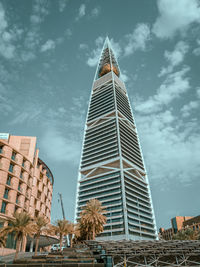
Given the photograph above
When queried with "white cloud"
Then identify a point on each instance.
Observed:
(62, 4)
(175, 57)
(175, 16)
(81, 12)
(186, 109)
(171, 147)
(68, 33)
(40, 10)
(32, 38)
(95, 12)
(49, 45)
(95, 53)
(64, 145)
(198, 92)
(173, 87)
(5, 103)
(99, 41)
(29, 114)
(83, 46)
(192, 105)
(94, 57)
(138, 39)
(60, 148)
(116, 47)
(7, 37)
(124, 76)
(196, 51)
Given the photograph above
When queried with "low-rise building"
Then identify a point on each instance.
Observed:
(180, 223)
(26, 182)
(193, 223)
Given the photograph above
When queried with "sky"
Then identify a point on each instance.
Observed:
(48, 55)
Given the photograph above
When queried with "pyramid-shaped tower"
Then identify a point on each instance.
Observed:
(112, 167)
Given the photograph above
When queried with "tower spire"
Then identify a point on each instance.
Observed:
(107, 61)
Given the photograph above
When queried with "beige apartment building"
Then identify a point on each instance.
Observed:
(26, 182)
(179, 223)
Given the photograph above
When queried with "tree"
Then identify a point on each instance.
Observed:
(20, 225)
(187, 234)
(2, 241)
(73, 229)
(40, 225)
(61, 228)
(2, 237)
(92, 219)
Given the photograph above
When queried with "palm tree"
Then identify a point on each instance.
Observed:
(73, 229)
(40, 225)
(2, 237)
(20, 225)
(61, 228)
(92, 218)
(2, 241)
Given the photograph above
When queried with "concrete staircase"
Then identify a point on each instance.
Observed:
(79, 256)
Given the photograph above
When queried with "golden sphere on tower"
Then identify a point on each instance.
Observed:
(107, 68)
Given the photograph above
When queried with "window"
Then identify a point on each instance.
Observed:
(19, 187)
(21, 175)
(23, 163)
(48, 174)
(17, 199)
(9, 180)
(13, 156)
(6, 193)
(3, 207)
(1, 149)
(11, 168)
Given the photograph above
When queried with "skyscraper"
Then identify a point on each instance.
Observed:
(112, 168)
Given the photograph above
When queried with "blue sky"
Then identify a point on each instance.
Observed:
(48, 54)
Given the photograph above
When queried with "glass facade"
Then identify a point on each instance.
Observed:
(112, 168)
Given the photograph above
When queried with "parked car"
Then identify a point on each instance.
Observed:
(56, 247)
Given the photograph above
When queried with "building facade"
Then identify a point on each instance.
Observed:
(193, 223)
(179, 223)
(26, 182)
(112, 168)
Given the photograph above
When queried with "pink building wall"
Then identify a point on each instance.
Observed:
(24, 177)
